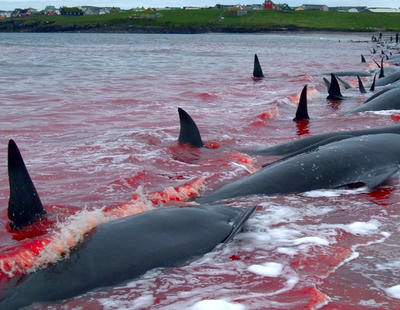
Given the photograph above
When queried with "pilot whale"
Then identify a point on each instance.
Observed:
(312, 142)
(119, 250)
(388, 99)
(368, 159)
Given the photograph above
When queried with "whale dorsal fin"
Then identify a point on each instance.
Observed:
(257, 71)
(334, 89)
(373, 84)
(189, 133)
(381, 72)
(302, 113)
(377, 63)
(24, 205)
(362, 58)
(360, 85)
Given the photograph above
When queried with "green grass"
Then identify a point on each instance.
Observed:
(254, 20)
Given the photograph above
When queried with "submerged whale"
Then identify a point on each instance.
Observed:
(368, 159)
(312, 142)
(122, 249)
(388, 99)
(388, 79)
(350, 73)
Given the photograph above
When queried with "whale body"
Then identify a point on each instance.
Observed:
(124, 249)
(387, 100)
(367, 159)
(312, 142)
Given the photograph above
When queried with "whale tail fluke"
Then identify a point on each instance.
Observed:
(189, 133)
(360, 85)
(334, 89)
(257, 71)
(302, 113)
(24, 205)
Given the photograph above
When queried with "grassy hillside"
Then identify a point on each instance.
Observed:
(208, 20)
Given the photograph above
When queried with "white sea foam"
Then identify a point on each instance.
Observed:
(68, 235)
(393, 291)
(269, 269)
(335, 192)
(315, 240)
(363, 228)
(213, 304)
(288, 251)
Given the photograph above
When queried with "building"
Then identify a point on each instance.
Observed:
(350, 9)
(269, 5)
(5, 14)
(382, 10)
(23, 12)
(314, 7)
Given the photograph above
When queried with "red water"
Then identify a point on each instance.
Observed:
(95, 117)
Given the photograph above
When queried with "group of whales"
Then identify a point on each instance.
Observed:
(126, 248)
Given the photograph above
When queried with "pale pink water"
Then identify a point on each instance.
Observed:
(95, 117)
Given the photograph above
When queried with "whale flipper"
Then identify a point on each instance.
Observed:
(238, 224)
(189, 133)
(334, 89)
(362, 58)
(257, 71)
(302, 113)
(373, 84)
(24, 205)
(376, 177)
(360, 85)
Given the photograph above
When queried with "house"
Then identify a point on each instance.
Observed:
(94, 10)
(315, 7)
(256, 6)
(283, 7)
(51, 10)
(269, 5)
(382, 10)
(350, 9)
(23, 12)
(71, 11)
(5, 14)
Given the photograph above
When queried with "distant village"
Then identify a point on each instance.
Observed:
(241, 9)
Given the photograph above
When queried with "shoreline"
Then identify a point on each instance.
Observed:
(45, 28)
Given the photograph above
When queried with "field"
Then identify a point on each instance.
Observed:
(207, 20)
